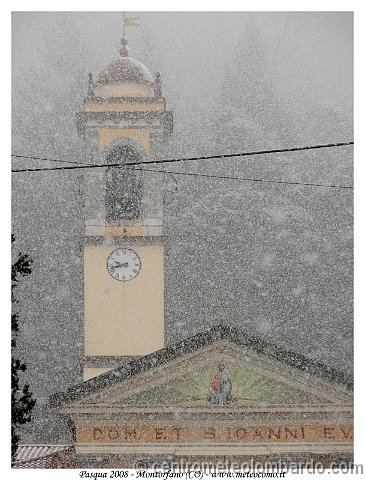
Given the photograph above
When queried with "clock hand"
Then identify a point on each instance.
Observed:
(118, 264)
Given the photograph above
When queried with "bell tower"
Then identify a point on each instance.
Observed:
(123, 119)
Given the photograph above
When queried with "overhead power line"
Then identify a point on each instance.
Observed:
(243, 179)
(223, 177)
(46, 159)
(174, 160)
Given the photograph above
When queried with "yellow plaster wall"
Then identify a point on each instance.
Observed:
(123, 318)
(124, 107)
(139, 135)
(124, 90)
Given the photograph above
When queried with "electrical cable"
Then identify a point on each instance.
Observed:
(243, 179)
(173, 160)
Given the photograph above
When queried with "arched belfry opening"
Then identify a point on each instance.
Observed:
(124, 186)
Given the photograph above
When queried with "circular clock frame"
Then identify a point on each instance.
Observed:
(127, 276)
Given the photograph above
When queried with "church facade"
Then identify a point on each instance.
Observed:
(218, 396)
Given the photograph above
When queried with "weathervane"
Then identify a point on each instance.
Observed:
(129, 22)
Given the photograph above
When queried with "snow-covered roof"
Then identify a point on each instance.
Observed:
(218, 332)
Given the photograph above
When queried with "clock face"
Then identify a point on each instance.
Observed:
(123, 264)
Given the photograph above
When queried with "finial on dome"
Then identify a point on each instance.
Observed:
(124, 50)
(158, 90)
(90, 88)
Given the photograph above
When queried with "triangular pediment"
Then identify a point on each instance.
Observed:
(248, 387)
(196, 378)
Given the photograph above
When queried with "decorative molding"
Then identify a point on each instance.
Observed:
(209, 450)
(124, 100)
(124, 240)
(166, 119)
(273, 415)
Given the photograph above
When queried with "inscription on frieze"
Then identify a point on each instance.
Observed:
(232, 434)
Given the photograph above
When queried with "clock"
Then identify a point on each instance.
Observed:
(123, 264)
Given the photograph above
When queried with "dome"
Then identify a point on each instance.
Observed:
(125, 69)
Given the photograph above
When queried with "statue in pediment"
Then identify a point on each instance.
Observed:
(221, 387)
